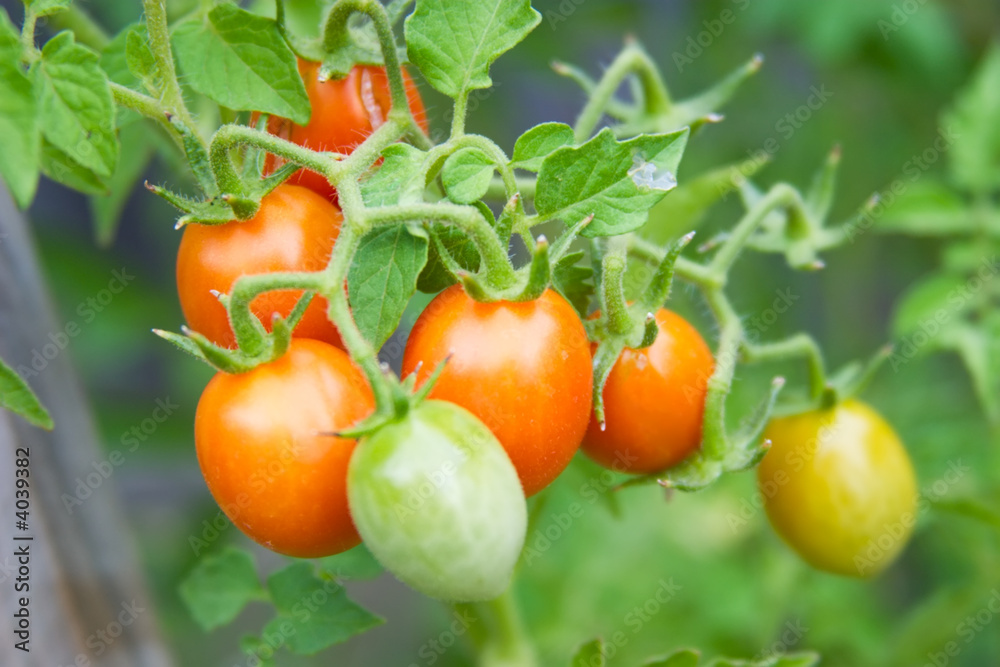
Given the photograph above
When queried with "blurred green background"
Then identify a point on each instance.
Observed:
(741, 592)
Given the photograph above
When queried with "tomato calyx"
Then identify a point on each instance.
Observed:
(842, 385)
(621, 324)
(258, 346)
(228, 195)
(405, 398)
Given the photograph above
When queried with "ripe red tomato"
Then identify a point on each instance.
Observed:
(839, 487)
(294, 230)
(262, 449)
(344, 112)
(654, 401)
(524, 369)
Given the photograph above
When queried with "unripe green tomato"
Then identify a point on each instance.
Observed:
(438, 502)
(839, 487)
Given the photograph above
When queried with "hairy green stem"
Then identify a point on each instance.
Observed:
(458, 117)
(778, 196)
(335, 35)
(335, 290)
(147, 106)
(632, 60)
(500, 274)
(799, 345)
(159, 44)
(228, 137)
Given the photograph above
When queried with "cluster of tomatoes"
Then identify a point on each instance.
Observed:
(509, 410)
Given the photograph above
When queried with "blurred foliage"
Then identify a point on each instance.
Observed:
(891, 67)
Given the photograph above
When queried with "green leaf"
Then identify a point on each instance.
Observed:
(75, 108)
(462, 249)
(926, 208)
(383, 277)
(20, 141)
(574, 281)
(617, 182)
(682, 658)
(929, 304)
(397, 180)
(454, 43)
(532, 147)
(685, 208)
(114, 61)
(466, 175)
(331, 617)
(140, 61)
(47, 7)
(136, 152)
(220, 586)
(357, 563)
(971, 127)
(260, 650)
(61, 168)
(16, 396)
(590, 654)
(241, 61)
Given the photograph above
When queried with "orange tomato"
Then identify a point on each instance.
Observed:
(344, 112)
(524, 369)
(264, 448)
(654, 401)
(294, 230)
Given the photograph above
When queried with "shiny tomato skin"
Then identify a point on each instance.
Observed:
(654, 401)
(439, 503)
(522, 368)
(266, 454)
(294, 230)
(344, 112)
(839, 488)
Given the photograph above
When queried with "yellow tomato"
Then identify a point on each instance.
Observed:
(839, 487)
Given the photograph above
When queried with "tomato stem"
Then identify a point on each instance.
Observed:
(506, 642)
(159, 44)
(336, 35)
(631, 60)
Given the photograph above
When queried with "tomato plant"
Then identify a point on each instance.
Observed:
(446, 452)
(523, 368)
(267, 448)
(839, 487)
